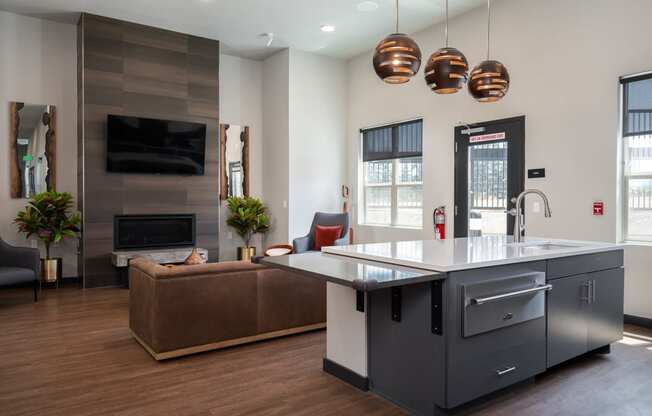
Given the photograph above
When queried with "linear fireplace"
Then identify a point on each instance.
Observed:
(131, 232)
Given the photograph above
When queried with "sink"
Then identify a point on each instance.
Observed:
(543, 245)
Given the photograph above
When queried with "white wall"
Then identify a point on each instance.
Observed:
(276, 119)
(564, 59)
(38, 65)
(241, 103)
(304, 141)
(318, 91)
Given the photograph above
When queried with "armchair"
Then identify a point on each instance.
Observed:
(19, 265)
(305, 243)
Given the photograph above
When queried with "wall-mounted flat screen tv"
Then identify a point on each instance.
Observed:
(145, 145)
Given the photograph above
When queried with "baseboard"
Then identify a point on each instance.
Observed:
(159, 356)
(66, 281)
(638, 321)
(343, 373)
(71, 280)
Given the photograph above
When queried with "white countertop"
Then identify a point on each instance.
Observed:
(469, 253)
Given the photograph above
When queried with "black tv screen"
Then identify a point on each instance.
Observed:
(145, 145)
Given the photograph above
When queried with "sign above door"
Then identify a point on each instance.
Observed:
(487, 137)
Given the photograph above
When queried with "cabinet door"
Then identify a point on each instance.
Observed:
(606, 316)
(567, 318)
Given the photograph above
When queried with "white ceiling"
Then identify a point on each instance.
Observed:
(239, 23)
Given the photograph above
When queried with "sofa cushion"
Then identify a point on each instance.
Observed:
(325, 235)
(13, 275)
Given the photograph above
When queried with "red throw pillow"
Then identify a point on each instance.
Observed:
(326, 235)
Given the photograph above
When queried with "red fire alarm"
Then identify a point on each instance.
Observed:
(598, 208)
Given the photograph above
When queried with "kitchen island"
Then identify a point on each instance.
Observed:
(434, 325)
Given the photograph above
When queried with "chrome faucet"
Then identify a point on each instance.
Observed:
(517, 211)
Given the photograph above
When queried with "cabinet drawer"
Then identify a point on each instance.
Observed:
(470, 379)
(586, 263)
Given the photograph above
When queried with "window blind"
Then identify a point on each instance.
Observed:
(393, 141)
(637, 105)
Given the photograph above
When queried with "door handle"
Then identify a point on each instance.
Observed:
(496, 298)
(592, 291)
(587, 298)
(505, 370)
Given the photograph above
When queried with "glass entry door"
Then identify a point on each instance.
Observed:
(489, 172)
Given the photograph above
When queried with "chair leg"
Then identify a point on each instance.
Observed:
(35, 291)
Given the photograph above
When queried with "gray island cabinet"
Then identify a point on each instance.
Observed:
(434, 325)
(585, 311)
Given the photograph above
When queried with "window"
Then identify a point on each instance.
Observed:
(393, 175)
(637, 155)
(487, 188)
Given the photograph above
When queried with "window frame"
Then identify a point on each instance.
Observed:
(393, 185)
(392, 192)
(625, 175)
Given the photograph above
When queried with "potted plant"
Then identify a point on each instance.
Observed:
(48, 217)
(248, 216)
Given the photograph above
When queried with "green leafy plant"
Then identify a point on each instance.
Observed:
(47, 217)
(248, 216)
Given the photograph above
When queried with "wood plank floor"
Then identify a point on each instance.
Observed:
(72, 354)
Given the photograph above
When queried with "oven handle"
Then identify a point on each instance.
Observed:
(496, 298)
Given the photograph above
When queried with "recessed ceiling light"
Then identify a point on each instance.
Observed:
(328, 28)
(367, 6)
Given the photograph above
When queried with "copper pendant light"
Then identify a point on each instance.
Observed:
(489, 79)
(447, 68)
(397, 58)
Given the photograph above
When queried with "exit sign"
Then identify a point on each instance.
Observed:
(487, 137)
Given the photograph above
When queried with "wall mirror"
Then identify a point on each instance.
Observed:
(32, 148)
(234, 160)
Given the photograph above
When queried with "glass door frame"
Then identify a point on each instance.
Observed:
(514, 128)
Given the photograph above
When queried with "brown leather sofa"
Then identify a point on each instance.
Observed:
(188, 309)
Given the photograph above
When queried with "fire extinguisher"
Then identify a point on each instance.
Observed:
(439, 218)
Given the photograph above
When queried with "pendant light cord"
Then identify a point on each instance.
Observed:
(446, 27)
(397, 16)
(488, 26)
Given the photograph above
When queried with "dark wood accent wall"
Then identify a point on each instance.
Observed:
(135, 70)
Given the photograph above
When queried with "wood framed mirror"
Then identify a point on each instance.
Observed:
(32, 149)
(234, 161)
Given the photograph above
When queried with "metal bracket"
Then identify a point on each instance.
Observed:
(437, 308)
(396, 304)
(359, 300)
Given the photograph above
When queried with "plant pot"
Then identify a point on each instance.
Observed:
(51, 269)
(246, 253)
